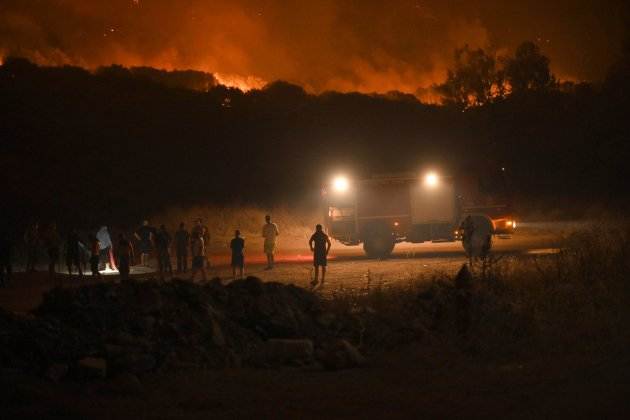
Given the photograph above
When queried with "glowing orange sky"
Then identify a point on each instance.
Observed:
(362, 45)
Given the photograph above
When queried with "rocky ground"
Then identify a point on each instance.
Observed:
(178, 349)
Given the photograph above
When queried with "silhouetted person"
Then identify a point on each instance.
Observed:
(467, 228)
(73, 253)
(107, 248)
(199, 228)
(95, 254)
(476, 237)
(51, 241)
(237, 245)
(31, 241)
(270, 232)
(182, 240)
(320, 246)
(162, 245)
(145, 236)
(6, 257)
(197, 246)
(124, 251)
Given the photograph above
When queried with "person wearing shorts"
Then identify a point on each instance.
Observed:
(237, 245)
(145, 236)
(198, 255)
(320, 246)
(270, 233)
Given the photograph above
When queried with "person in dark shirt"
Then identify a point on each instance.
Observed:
(320, 246)
(238, 257)
(145, 236)
(182, 240)
(73, 253)
(162, 245)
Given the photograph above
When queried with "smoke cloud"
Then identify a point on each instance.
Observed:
(362, 45)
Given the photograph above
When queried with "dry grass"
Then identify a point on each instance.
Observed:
(576, 300)
(294, 224)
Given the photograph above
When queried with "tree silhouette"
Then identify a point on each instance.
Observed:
(473, 79)
(528, 70)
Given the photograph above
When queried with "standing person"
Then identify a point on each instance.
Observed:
(162, 245)
(270, 232)
(182, 240)
(205, 234)
(125, 256)
(198, 255)
(51, 241)
(320, 246)
(31, 240)
(145, 236)
(73, 252)
(237, 245)
(6, 257)
(107, 251)
(95, 253)
(467, 229)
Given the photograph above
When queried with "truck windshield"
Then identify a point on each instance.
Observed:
(341, 213)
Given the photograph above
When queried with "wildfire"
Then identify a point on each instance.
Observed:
(244, 83)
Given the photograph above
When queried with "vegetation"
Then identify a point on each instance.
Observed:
(576, 301)
(115, 145)
(478, 78)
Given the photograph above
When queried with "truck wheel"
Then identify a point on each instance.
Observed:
(379, 243)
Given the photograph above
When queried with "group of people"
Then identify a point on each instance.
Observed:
(105, 254)
(98, 250)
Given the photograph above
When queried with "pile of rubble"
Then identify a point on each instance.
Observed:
(114, 329)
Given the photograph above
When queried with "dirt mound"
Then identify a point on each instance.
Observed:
(136, 327)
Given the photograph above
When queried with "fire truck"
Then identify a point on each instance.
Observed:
(384, 210)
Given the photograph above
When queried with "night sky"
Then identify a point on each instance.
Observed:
(362, 45)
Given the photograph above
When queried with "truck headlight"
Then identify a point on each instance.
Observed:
(431, 180)
(341, 184)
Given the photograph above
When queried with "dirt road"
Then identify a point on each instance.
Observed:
(350, 268)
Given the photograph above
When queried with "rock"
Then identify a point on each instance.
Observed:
(282, 351)
(136, 363)
(251, 285)
(57, 371)
(233, 360)
(326, 319)
(114, 349)
(341, 355)
(126, 384)
(217, 334)
(127, 340)
(463, 279)
(149, 299)
(146, 324)
(92, 367)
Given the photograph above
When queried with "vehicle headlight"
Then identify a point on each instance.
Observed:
(431, 179)
(341, 184)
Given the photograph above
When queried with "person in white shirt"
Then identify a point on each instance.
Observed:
(198, 249)
(270, 233)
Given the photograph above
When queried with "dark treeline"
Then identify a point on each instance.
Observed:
(113, 145)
